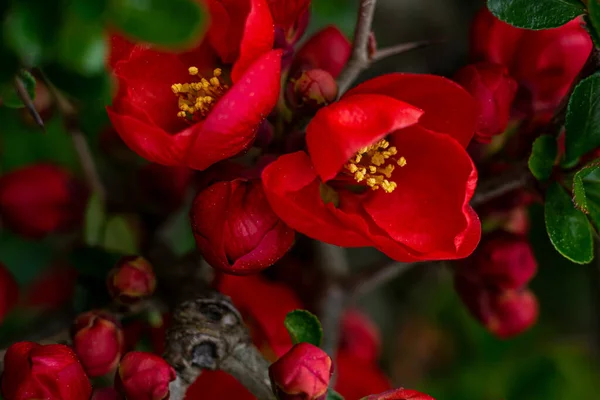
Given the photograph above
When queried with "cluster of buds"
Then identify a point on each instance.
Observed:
(493, 284)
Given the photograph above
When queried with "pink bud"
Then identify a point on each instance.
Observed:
(313, 89)
(98, 341)
(144, 376)
(328, 50)
(302, 373)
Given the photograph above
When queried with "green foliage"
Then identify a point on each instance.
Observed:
(543, 155)
(303, 326)
(568, 228)
(586, 191)
(333, 395)
(120, 236)
(538, 14)
(163, 22)
(95, 218)
(8, 93)
(583, 119)
(593, 20)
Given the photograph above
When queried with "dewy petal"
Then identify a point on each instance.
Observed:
(232, 124)
(337, 131)
(292, 188)
(257, 37)
(429, 211)
(447, 107)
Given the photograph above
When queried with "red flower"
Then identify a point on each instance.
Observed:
(544, 62)
(52, 372)
(505, 313)
(39, 199)
(206, 120)
(301, 373)
(404, 135)
(494, 92)
(9, 291)
(253, 297)
(400, 394)
(328, 50)
(357, 379)
(144, 376)
(131, 280)
(98, 341)
(235, 228)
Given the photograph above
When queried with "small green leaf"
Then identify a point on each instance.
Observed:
(163, 22)
(304, 326)
(583, 119)
(9, 95)
(586, 191)
(95, 217)
(568, 228)
(543, 155)
(119, 236)
(536, 14)
(82, 46)
(333, 395)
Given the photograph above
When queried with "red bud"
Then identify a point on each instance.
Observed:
(313, 89)
(39, 199)
(98, 341)
(131, 280)
(144, 376)
(51, 372)
(235, 228)
(494, 91)
(302, 373)
(9, 291)
(400, 394)
(328, 50)
(360, 336)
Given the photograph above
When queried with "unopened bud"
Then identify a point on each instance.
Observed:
(131, 280)
(313, 89)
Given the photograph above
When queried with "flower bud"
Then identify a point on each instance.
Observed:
(9, 291)
(106, 394)
(98, 341)
(39, 199)
(235, 228)
(360, 336)
(505, 313)
(399, 394)
(494, 91)
(313, 89)
(301, 373)
(131, 280)
(144, 376)
(328, 50)
(51, 372)
(503, 260)
(165, 186)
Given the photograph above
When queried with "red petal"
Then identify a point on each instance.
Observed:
(339, 130)
(232, 124)
(292, 188)
(257, 38)
(448, 108)
(429, 212)
(228, 21)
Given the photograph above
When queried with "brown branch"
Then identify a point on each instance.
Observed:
(28, 102)
(375, 277)
(386, 52)
(512, 180)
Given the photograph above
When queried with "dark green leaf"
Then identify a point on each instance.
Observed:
(163, 22)
(95, 217)
(586, 191)
(536, 14)
(304, 327)
(24, 258)
(177, 233)
(593, 20)
(9, 95)
(119, 236)
(82, 46)
(333, 395)
(568, 228)
(543, 154)
(583, 119)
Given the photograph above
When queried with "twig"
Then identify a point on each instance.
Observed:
(28, 102)
(502, 185)
(359, 60)
(374, 277)
(386, 52)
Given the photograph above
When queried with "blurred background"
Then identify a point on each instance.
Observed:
(430, 342)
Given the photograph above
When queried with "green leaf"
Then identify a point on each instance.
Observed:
(536, 14)
(568, 228)
(586, 191)
(9, 95)
(543, 155)
(95, 217)
(119, 236)
(82, 46)
(583, 119)
(177, 232)
(333, 395)
(593, 20)
(304, 326)
(163, 22)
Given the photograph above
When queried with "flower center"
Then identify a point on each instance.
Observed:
(196, 99)
(374, 165)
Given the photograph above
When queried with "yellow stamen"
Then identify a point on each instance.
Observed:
(196, 99)
(374, 165)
